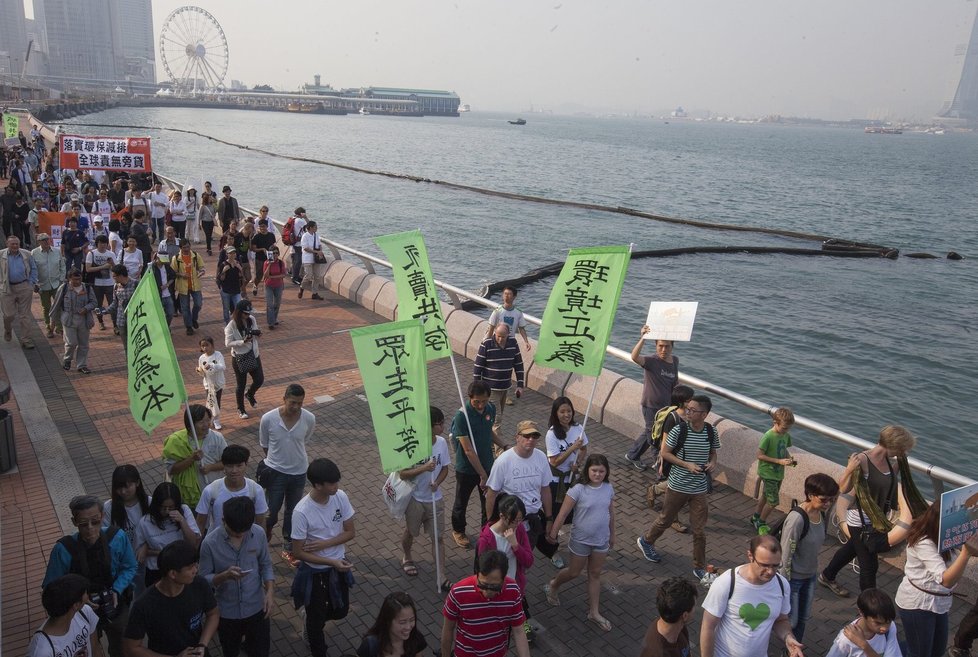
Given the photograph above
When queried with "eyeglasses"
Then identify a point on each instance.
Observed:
(530, 436)
(696, 410)
(767, 566)
(87, 523)
(495, 588)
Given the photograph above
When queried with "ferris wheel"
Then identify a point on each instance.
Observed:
(193, 49)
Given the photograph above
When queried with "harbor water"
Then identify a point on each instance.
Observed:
(853, 343)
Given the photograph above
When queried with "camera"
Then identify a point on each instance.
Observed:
(105, 606)
(252, 332)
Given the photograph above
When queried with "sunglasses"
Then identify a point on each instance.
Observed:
(495, 588)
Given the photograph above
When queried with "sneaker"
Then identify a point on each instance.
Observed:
(251, 400)
(218, 426)
(958, 652)
(317, 297)
(196, 324)
(190, 330)
(706, 577)
(529, 631)
(763, 529)
(461, 540)
(755, 520)
(84, 370)
(648, 550)
(242, 415)
(557, 561)
(636, 462)
(66, 365)
(831, 585)
(679, 527)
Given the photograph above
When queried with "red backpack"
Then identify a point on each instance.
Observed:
(288, 233)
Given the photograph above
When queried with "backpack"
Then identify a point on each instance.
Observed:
(288, 233)
(79, 560)
(733, 582)
(778, 525)
(660, 419)
(681, 442)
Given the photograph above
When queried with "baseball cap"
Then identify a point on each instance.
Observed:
(527, 427)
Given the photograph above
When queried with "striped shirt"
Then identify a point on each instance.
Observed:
(493, 364)
(483, 626)
(695, 450)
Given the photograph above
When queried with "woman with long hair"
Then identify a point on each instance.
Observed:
(924, 597)
(592, 536)
(395, 632)
(241, 335)
(506, 532)
(192, 202)
(128, 504)
(206, 215)
(566, 450)
(167, 520)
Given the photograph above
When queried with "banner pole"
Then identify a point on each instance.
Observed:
(461, 398)
(434, 539)
(589, 400)
(193, 429)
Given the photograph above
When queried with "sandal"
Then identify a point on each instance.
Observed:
(446, 586)
(551, 595)
(601, 622)
(409, 568)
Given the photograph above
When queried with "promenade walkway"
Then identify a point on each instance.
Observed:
(72, 429)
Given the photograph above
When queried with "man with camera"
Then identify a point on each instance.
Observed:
(105, 557)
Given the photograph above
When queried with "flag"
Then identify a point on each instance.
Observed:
(392, 363)
(581, 310)
(156, 388)
(416, 293)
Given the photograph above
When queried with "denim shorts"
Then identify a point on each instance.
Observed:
(580, 550)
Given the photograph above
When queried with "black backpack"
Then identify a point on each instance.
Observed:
(778, 525)
(79, 560)
(681, 442)
(733, 582)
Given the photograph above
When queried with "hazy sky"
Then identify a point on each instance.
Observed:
(830, 59)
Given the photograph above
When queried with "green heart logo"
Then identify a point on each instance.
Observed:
(754, 616)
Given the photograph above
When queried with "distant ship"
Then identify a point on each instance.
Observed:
(518, 122)
(464, 108)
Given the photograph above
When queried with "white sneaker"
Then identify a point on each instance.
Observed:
(217, 425)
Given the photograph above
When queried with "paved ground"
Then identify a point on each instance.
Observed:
(71, 430)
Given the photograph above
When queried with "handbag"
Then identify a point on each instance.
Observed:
(397, 494)
(319, 258)
(247, 361)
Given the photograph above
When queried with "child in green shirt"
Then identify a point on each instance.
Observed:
(772, 456)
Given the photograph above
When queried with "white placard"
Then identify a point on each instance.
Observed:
(671, 320)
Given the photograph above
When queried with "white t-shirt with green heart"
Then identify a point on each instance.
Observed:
(747, 617)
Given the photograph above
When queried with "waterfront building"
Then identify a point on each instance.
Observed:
(389, 100)
(964, 103)
(133, 37)
(13, 37)
(80, 41)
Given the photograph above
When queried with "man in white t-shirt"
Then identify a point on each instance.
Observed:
(524, 471)
(210, 508)
(746, 604)
(71, 622)
(426, 508)
(282, 434)
(298, 228)
(509, 315)
(322, 525)
(313, 260)
(158, 201)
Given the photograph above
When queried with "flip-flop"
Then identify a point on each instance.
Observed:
(409, 568)
(601, 622)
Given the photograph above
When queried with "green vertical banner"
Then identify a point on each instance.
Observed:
(156, 388)
(581, 310)
(11, 125)
(417, 296)
(392, 363)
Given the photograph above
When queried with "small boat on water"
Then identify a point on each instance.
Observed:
(882, 130)
(364, 111)
(464, 108)
(518, 122)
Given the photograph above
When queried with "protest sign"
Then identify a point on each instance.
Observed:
(156, 388)
(581, 310)
(11, 126)
(959, 517)
(52, 223)
(105, 153)
(394, 370)
(416, 293)
(671, 320)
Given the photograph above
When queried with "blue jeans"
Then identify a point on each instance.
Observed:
(802, 595)
(167, 308)
(925, 632)
(190, 318)
(273, 300)
(228, 302)
(287, 488)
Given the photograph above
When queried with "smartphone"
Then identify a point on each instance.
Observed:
(245, 572)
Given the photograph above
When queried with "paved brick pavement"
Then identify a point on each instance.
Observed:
(311, 347)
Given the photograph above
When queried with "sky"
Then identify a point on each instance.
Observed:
(834, 59)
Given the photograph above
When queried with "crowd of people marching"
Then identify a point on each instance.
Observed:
(162, 572)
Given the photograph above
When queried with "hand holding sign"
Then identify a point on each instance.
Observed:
(670, 320)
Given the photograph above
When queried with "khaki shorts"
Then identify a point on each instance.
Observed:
(419, 514)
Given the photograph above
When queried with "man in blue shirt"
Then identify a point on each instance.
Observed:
(18, 276)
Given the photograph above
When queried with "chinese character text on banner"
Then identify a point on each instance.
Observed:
(416, 292)
(395, 379)
(11, 125)
(156, 388)
(106, 153)
(581, 310)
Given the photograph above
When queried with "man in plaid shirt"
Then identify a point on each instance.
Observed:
(125, 286)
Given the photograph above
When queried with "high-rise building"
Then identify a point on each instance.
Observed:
(133, 34)
(964, 104)
(80, 41)
(13, 37)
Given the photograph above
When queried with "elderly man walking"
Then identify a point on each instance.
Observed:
(50, 275)
(498, 356)
(18, 276)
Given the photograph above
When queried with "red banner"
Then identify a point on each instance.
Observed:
(52, 223)
(105, 153)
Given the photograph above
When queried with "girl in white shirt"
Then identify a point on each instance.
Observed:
(211, 366)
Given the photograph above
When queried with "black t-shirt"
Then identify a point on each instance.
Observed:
(171, 624)
(262, 242)
(242, 245)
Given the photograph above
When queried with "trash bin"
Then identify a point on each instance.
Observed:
(8, 451)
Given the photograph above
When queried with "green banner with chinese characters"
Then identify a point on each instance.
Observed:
(392, 363)
(11, 125)
(156, 388)
(581, 310)
(416, 293)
